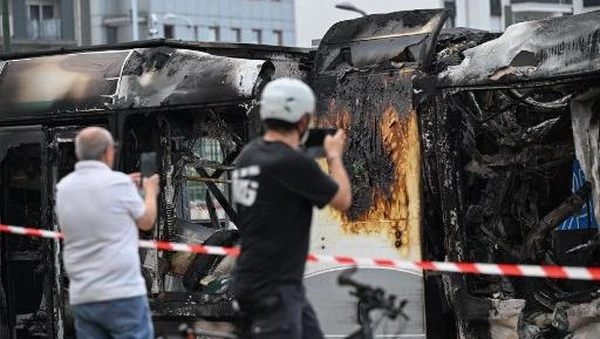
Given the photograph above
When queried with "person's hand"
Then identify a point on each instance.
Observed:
(151, 184)
(136, 177)
(334, 144)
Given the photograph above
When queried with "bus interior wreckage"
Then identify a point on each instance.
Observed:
(463, 145)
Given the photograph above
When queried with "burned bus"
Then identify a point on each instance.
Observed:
(463, 145)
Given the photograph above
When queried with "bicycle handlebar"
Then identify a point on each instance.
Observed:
(373, 298)
(345, 280)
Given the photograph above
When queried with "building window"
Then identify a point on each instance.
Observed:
(278, 35)
(257, 35)
(496, 7)
(169, 31)
(112, 35)
(42, 23)
(237, 34)
(214, 33)
(39, 12)
(508, 16)
(591, 3)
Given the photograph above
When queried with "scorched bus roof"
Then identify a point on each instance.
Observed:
(151, 74)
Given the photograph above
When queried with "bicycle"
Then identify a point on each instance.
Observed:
(369, 300)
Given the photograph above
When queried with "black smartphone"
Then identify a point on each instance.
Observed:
(313, 147)
(148, 164)
(316, 136)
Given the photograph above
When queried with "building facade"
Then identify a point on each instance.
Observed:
(479, 14)
(496, 15)
(269, 22)
(523, 10)
(40, 24)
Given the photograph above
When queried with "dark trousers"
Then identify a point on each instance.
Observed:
(284, 314)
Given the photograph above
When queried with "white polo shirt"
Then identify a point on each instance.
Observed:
(97, 209)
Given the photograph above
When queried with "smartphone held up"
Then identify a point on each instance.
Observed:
(314, 144)
(147, 165)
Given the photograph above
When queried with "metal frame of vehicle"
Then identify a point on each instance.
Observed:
(164, 96)
(460, 147)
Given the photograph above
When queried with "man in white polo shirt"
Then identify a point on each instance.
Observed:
(99, 211)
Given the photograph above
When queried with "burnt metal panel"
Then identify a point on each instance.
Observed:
(364, 88)
(529, 51)
(134, 78)
(235, 50)
(382, 153)
(169, 77)
(381, 40)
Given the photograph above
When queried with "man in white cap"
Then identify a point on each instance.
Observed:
(275, 187)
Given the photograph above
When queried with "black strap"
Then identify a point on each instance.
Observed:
(216, 192)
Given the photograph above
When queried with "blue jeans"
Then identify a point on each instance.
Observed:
(127, 318)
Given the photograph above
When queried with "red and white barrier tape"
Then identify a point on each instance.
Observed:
(31, 232)
(555, 272)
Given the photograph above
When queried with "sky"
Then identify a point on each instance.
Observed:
(314, 17)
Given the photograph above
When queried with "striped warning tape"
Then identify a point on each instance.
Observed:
(202, 249)
(555, 272)
(31, 232)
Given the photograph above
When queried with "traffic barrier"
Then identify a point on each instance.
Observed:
(534, 271)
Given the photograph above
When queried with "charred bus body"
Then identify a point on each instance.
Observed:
(193, 108)
(462, 146)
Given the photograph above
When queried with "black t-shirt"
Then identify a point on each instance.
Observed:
(275, 188)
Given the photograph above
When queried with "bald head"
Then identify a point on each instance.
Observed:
(92, 142)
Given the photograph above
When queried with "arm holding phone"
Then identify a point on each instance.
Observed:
(150, 186)
(151, 189)
(334, 146)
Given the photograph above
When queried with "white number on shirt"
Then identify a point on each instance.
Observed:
(245, 190)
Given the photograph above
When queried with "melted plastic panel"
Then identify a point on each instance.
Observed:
(378, 40)
(75, 82)
(169, 77)
(532, 50)
(135, 78)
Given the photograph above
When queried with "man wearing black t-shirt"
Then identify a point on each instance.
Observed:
(275, 187)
